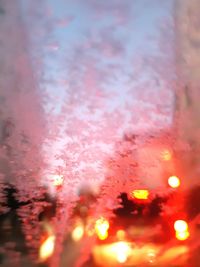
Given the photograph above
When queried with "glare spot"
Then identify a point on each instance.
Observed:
(58, 180)
(47, 248)
(140, 194)
(101, 228)
(151, 256)
(174, 181)
(122, 251)
(180, 226)
(121, 257)
(182, 235)
(78, 233)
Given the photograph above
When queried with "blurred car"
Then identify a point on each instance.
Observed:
(143, 231)
(141, 235)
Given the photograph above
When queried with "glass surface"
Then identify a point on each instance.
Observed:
(99, 133)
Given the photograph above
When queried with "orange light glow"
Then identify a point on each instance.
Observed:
(47, 248)
(78, 233)
(101, 228)
(89, 227)
(174, 181)
(122, 251)
(140, 194)
(58, 180)
(121, 234)
(182, 235)
(166, 155)
(180, 226)
(103, 235)
(121, 257)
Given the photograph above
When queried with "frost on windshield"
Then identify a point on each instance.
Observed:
(97, 100)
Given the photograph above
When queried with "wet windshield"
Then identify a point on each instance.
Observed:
(99, 133)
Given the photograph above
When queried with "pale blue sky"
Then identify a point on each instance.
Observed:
(76, 22)
(105, 69)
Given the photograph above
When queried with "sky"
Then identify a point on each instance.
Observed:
(116, 34)
(105, 69)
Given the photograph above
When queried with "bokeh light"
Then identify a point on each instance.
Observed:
(166, 155)
(182, 235)
(174, 181)
(120, 234)
(58, 180)
(101, 228)
(122, 251)
(47, 248)
(78, 233)
(140, 194)
(180, 226)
